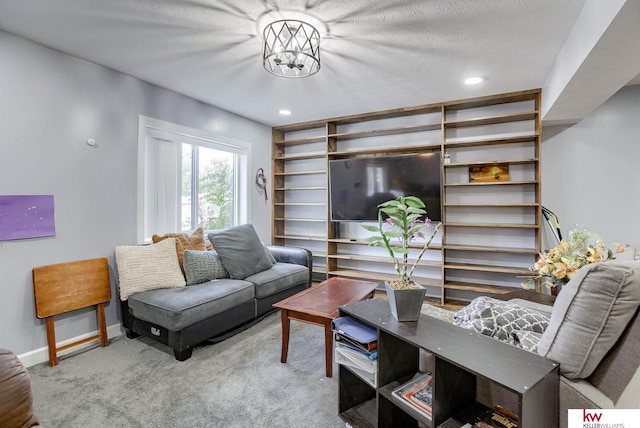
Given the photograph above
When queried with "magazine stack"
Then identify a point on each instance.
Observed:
(498, 417)
(356, 347)
(417, 393)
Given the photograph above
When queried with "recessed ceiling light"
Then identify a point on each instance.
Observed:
(473, 80)
(284, 112)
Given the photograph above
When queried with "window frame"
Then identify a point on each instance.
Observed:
(149, 127)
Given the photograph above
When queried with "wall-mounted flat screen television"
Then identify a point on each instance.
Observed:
(358, 185)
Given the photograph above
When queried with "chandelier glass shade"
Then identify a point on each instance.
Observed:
(291, 48)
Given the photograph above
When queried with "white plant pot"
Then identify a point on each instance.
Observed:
(406, 303)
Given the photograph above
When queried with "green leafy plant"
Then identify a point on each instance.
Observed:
(402, 225)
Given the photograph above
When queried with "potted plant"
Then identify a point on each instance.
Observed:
(557, 266)
(402, 225)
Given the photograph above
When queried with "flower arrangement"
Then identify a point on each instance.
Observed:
(559, 265)
(402, 225)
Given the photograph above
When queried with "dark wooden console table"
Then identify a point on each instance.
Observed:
(461, 358)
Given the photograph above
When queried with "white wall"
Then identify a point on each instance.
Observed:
(50, 104)
(591, 170)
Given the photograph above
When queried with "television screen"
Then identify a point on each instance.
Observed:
(358, 185)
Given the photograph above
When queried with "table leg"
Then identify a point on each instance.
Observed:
(102, 326)
(284, 314)
(328, 347)
(51, 341)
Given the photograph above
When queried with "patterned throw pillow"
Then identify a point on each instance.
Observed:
(499, 319)
(184, 241)
(203, 266)
(148, 267)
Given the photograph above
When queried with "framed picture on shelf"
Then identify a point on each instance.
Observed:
(489, 173)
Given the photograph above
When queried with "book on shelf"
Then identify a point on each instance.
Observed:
(418, 393)
(349, 357)
(356, 330)
(369, 348)
(497, 417)
(370, 378)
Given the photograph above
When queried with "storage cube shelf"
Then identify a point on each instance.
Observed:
(461, 360)
(479, 217)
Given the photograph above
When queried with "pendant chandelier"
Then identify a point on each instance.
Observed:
(291, 49)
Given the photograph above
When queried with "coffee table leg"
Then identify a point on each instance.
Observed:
(328, 347)
(284, 314)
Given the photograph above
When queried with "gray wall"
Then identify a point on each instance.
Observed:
(591, 170)
(50, 104)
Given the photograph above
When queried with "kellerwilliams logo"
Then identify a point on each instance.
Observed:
(604, 418)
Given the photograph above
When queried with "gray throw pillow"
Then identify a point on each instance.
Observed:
(589, 315)
(241, 251)
(271, 257)
(203, 266)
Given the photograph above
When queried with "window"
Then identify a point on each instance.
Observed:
(188, 179)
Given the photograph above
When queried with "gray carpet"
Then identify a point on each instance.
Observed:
(239, 382)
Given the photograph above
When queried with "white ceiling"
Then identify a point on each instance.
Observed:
(375, 54)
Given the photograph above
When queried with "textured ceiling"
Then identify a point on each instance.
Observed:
(376, 54)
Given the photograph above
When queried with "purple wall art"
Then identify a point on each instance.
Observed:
(26, 216)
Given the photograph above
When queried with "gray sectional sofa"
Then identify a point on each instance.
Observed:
(222, 291)
(592, 331)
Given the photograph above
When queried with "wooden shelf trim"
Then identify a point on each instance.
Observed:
(310, 155)
(499, 225)
(359, 242)
(479, 288)
(385, 151)
(296, 141)
(426, 282)
(492, 162)
(357, 257)
(487, 268)
(387, 131)
(493, 183)
(491, 100)
(502, 205)
(314, 220)
(301, 238)
(284, 189)
(301, 204)
(491, 120)
(286, 174)
(491, 249)
(493, 141)
(319, 270)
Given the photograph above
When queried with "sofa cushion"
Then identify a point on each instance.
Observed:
(203, 266)
(177, 308)
(621, 363)
(241, 251)
(184, 241)
(280, 277)
(589, 315)
(148, 267)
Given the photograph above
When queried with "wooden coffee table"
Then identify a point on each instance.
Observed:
(319, 305)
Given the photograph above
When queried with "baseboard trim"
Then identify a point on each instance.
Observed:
(41, 355)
